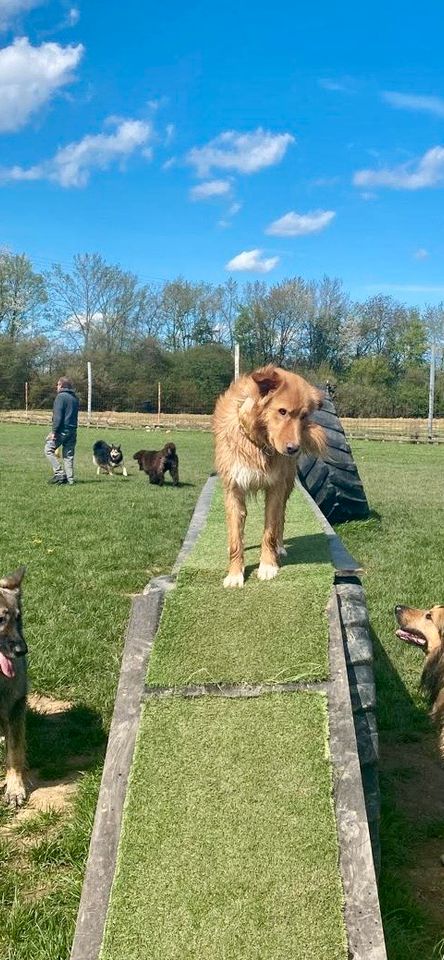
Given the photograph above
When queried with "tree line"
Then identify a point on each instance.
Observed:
(374, 353)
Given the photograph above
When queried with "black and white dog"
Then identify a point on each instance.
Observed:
(108, 457)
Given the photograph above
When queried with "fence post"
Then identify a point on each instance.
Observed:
(159, 403)
(26, 399)
(236, 361)
(89, 392)
(431, 392)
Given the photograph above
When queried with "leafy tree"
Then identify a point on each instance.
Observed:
(22, 296)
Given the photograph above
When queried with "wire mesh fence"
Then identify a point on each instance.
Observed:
(172, 415)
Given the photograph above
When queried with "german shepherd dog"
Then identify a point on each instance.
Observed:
(261, 424)
(425, 629)
(156, 463)
(13, 686)
(108, 457)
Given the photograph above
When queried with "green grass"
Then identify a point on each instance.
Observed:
(275, 631)
(229, 836)
(400, 547)
(87, 549)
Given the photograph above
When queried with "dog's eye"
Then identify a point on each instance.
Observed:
(282, 412)
(428, 616)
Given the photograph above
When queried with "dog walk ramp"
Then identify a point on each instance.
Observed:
(236, 839)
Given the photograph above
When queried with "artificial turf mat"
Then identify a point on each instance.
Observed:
(228, 849)
(273, 631)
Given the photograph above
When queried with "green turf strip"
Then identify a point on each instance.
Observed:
(229, 847)
(271, 631)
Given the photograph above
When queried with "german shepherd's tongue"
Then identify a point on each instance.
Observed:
(6, 666)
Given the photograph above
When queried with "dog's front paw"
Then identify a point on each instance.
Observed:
(234, 580)
(267, 571)
(15, 790)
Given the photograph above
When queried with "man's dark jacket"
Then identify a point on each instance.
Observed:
(65, 412)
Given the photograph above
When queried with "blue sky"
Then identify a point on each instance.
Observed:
(211, 140)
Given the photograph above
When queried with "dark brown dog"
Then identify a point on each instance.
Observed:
(425, 629)
(157, 462)
(13, 685)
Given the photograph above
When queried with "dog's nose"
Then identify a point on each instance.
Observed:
(292, 448)
(398, 608)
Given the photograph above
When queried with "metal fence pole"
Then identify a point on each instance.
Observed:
(236, 361)
(431, 391)
(89, 391)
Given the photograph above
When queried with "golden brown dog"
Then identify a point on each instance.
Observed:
(261, 424)
(425, 629)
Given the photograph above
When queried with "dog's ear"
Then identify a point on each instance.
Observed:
(267, 379)
(12, 581)
(438, 619)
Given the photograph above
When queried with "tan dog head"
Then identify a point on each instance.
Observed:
(424, 628)
(278, 412)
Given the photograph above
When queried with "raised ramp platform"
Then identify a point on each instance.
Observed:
(244, 831)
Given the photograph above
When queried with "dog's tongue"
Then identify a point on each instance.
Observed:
(6, 666)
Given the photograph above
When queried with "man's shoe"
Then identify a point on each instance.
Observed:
(58, 479)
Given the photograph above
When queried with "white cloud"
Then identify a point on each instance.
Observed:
(234, 208)
(413, 101)
(243, 152)
(10, 10)
(210, 188)
(73, 16)
(298, 224)
(252, 260)
(344, 85)
(421, 254)
(429, 172)
(30, 76)
(72, 165)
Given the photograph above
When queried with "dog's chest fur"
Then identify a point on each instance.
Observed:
(253, 478)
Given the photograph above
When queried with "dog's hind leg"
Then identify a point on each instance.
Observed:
(124, 471)
(15, 792)
(174, 471)
(236, 513)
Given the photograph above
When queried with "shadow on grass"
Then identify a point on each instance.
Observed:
(62, 741)
(309, 548)
(411, 929)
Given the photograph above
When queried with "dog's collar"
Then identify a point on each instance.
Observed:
(263, 447)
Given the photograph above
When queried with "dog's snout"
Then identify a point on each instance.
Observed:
(292, 448)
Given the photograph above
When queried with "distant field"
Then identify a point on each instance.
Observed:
(402, 428)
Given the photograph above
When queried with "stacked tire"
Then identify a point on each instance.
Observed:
(333, 480)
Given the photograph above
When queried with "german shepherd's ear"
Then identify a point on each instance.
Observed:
(12, 581)
(267, 379)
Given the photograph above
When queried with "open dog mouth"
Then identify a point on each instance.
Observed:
(411, 636)
(7, 666)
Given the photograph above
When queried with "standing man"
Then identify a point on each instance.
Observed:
(64, 432)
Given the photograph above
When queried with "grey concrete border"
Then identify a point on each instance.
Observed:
(358, 650)
(362, 913)
(144, 619)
